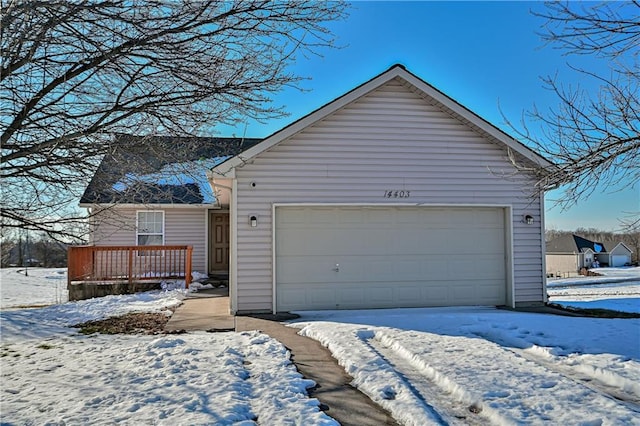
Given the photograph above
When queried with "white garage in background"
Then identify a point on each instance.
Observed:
(619, 260)
(350, 257)
(620, 255)
(391, 195)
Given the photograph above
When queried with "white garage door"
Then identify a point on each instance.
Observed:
(619, 260)
(376, 257)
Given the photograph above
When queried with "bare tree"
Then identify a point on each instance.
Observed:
(8, 245)
(594, 138)
(74, 73)
(631, 235)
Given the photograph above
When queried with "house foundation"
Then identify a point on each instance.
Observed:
(88, 290)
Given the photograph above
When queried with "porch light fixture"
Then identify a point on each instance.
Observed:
(528, 219)
(253, 221)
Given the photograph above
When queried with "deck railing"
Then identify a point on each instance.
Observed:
(129, 263)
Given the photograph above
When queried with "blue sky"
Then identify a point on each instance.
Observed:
(486, 55)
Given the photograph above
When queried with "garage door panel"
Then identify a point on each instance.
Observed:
(409, 217)
(314, 241)
(351, 216)
(489, 218)
(488, 291)
(477, 267)
(320, 296)
(490, 267)
(487, 244)
(380, 295)
(290, 240)
(409, 269)
(351, 296)
(463, 269)
(376, 216)
(389, 256)
(341, 296)
(318, 217)
(435, 294)
(437, 219)
(383, 270)
(297, 269)
(408, 294)
(419, 241)
(293, 296)
(435, 268)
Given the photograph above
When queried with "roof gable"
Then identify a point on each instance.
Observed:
(583, 244)
(620, 245)
(415, 84)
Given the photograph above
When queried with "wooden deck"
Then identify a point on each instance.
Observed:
(101, 270)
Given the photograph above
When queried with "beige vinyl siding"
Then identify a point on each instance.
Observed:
(563, 264)
(182, 226)
(389, 139)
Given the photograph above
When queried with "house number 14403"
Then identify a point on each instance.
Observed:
(397, 194)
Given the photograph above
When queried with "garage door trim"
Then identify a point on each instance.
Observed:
(508, 229)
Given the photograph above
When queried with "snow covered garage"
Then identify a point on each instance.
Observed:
(393, 195)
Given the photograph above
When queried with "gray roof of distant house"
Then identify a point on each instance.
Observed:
(133, 156)
(573, 244)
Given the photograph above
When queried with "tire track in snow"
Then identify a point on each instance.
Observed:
(506, 385)
(604, 382)
(444, 404)
(588, 380)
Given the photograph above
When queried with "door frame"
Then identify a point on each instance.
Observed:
(210, 242)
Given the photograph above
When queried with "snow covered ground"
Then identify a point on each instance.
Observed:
(199, 378)
(426, 366)
(40, 286)
(438, 366)
(617, 289)
(50, 374)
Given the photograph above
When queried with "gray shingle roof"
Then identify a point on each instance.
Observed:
(573, 244)
(159, 169)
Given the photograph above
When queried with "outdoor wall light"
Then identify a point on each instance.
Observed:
(528, 219)
(253, 221)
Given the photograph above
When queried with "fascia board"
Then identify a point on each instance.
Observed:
(146, 206)
(215, 173)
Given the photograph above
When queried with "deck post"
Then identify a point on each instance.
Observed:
(130, 271)
(187, 267)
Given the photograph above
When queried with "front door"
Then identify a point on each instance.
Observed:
(219, 243)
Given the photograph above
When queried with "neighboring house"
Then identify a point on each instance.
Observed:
(392, 195)
(571, 253)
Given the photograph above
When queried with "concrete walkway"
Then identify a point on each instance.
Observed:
(202, 313)
(338, 398)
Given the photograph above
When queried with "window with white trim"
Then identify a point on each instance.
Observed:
(150, 228)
